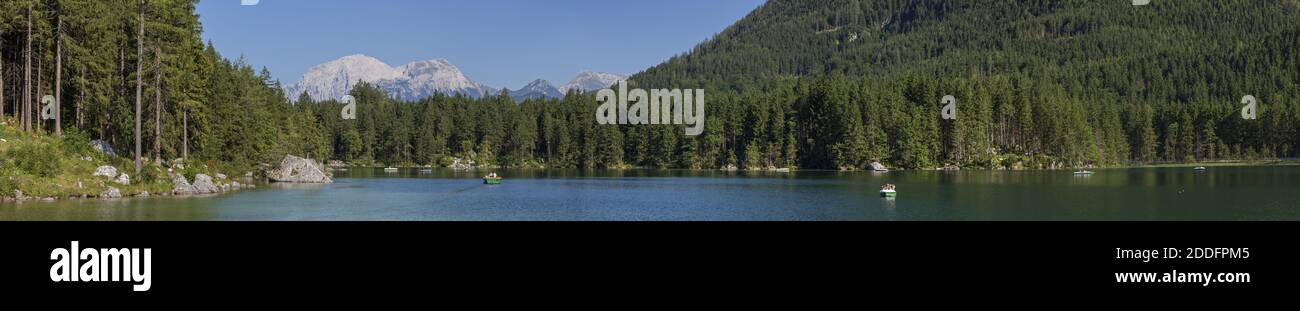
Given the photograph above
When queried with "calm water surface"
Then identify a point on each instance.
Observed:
(1222, 193)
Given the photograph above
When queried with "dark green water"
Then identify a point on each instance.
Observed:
(1222, 193)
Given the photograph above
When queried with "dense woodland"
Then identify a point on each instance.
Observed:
(806, 84)
(111, 64)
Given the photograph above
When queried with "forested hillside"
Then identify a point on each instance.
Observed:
(111, 64)
(1077, 82)
(839, 84)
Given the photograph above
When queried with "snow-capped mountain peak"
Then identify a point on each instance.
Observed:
(334, 79)
(588, 81)
(424, 78)
(416, 80)
(412, 81)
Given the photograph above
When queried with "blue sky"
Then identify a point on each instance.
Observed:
(496, 42)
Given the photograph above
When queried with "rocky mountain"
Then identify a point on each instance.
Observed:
(585, 81)
(416, 80)
(588, 81)
(537, 89)
(424, 78)
(334, 79)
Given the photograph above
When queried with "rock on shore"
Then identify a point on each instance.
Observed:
(298, 170)
(180, 186)
(203, 184)
(111, 193)
(876, 166)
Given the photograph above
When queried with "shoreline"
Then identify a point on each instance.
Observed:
(228, 188)
(221, 189)
(1223, 163)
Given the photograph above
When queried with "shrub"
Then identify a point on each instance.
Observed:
(445, 161)
(76, 142)
(37, 159)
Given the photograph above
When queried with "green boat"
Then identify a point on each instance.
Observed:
(888, 193)
(492, 181)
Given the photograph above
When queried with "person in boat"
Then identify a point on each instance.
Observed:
(493, 175)
(887, 187)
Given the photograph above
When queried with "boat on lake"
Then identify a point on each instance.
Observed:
(888, 191)
(492, 179)
(390, 169)
(1200, 169)
(1084, 173)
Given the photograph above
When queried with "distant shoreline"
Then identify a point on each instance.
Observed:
(1223, 163)
(1276, 162)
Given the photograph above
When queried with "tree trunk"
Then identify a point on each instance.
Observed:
(38, 123)
(157, 105)
(139, 84)
(2, 74)
(27, 77)
(81, 101)
(185, 137)
(58, 80)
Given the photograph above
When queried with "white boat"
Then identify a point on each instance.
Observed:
(1083, 173)
(1200, 168)
(390, 169)
(888, 191)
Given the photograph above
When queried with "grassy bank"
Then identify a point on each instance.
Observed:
(44, 166)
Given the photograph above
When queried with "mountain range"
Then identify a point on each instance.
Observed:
(415, 80)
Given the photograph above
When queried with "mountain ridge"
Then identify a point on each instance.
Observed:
(419, 79)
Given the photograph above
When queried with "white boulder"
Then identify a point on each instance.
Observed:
(203, 184)
(180, 186)
(298, 170)
(111, 193)
(106, 171)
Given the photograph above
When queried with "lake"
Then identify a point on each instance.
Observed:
(1221, 193)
